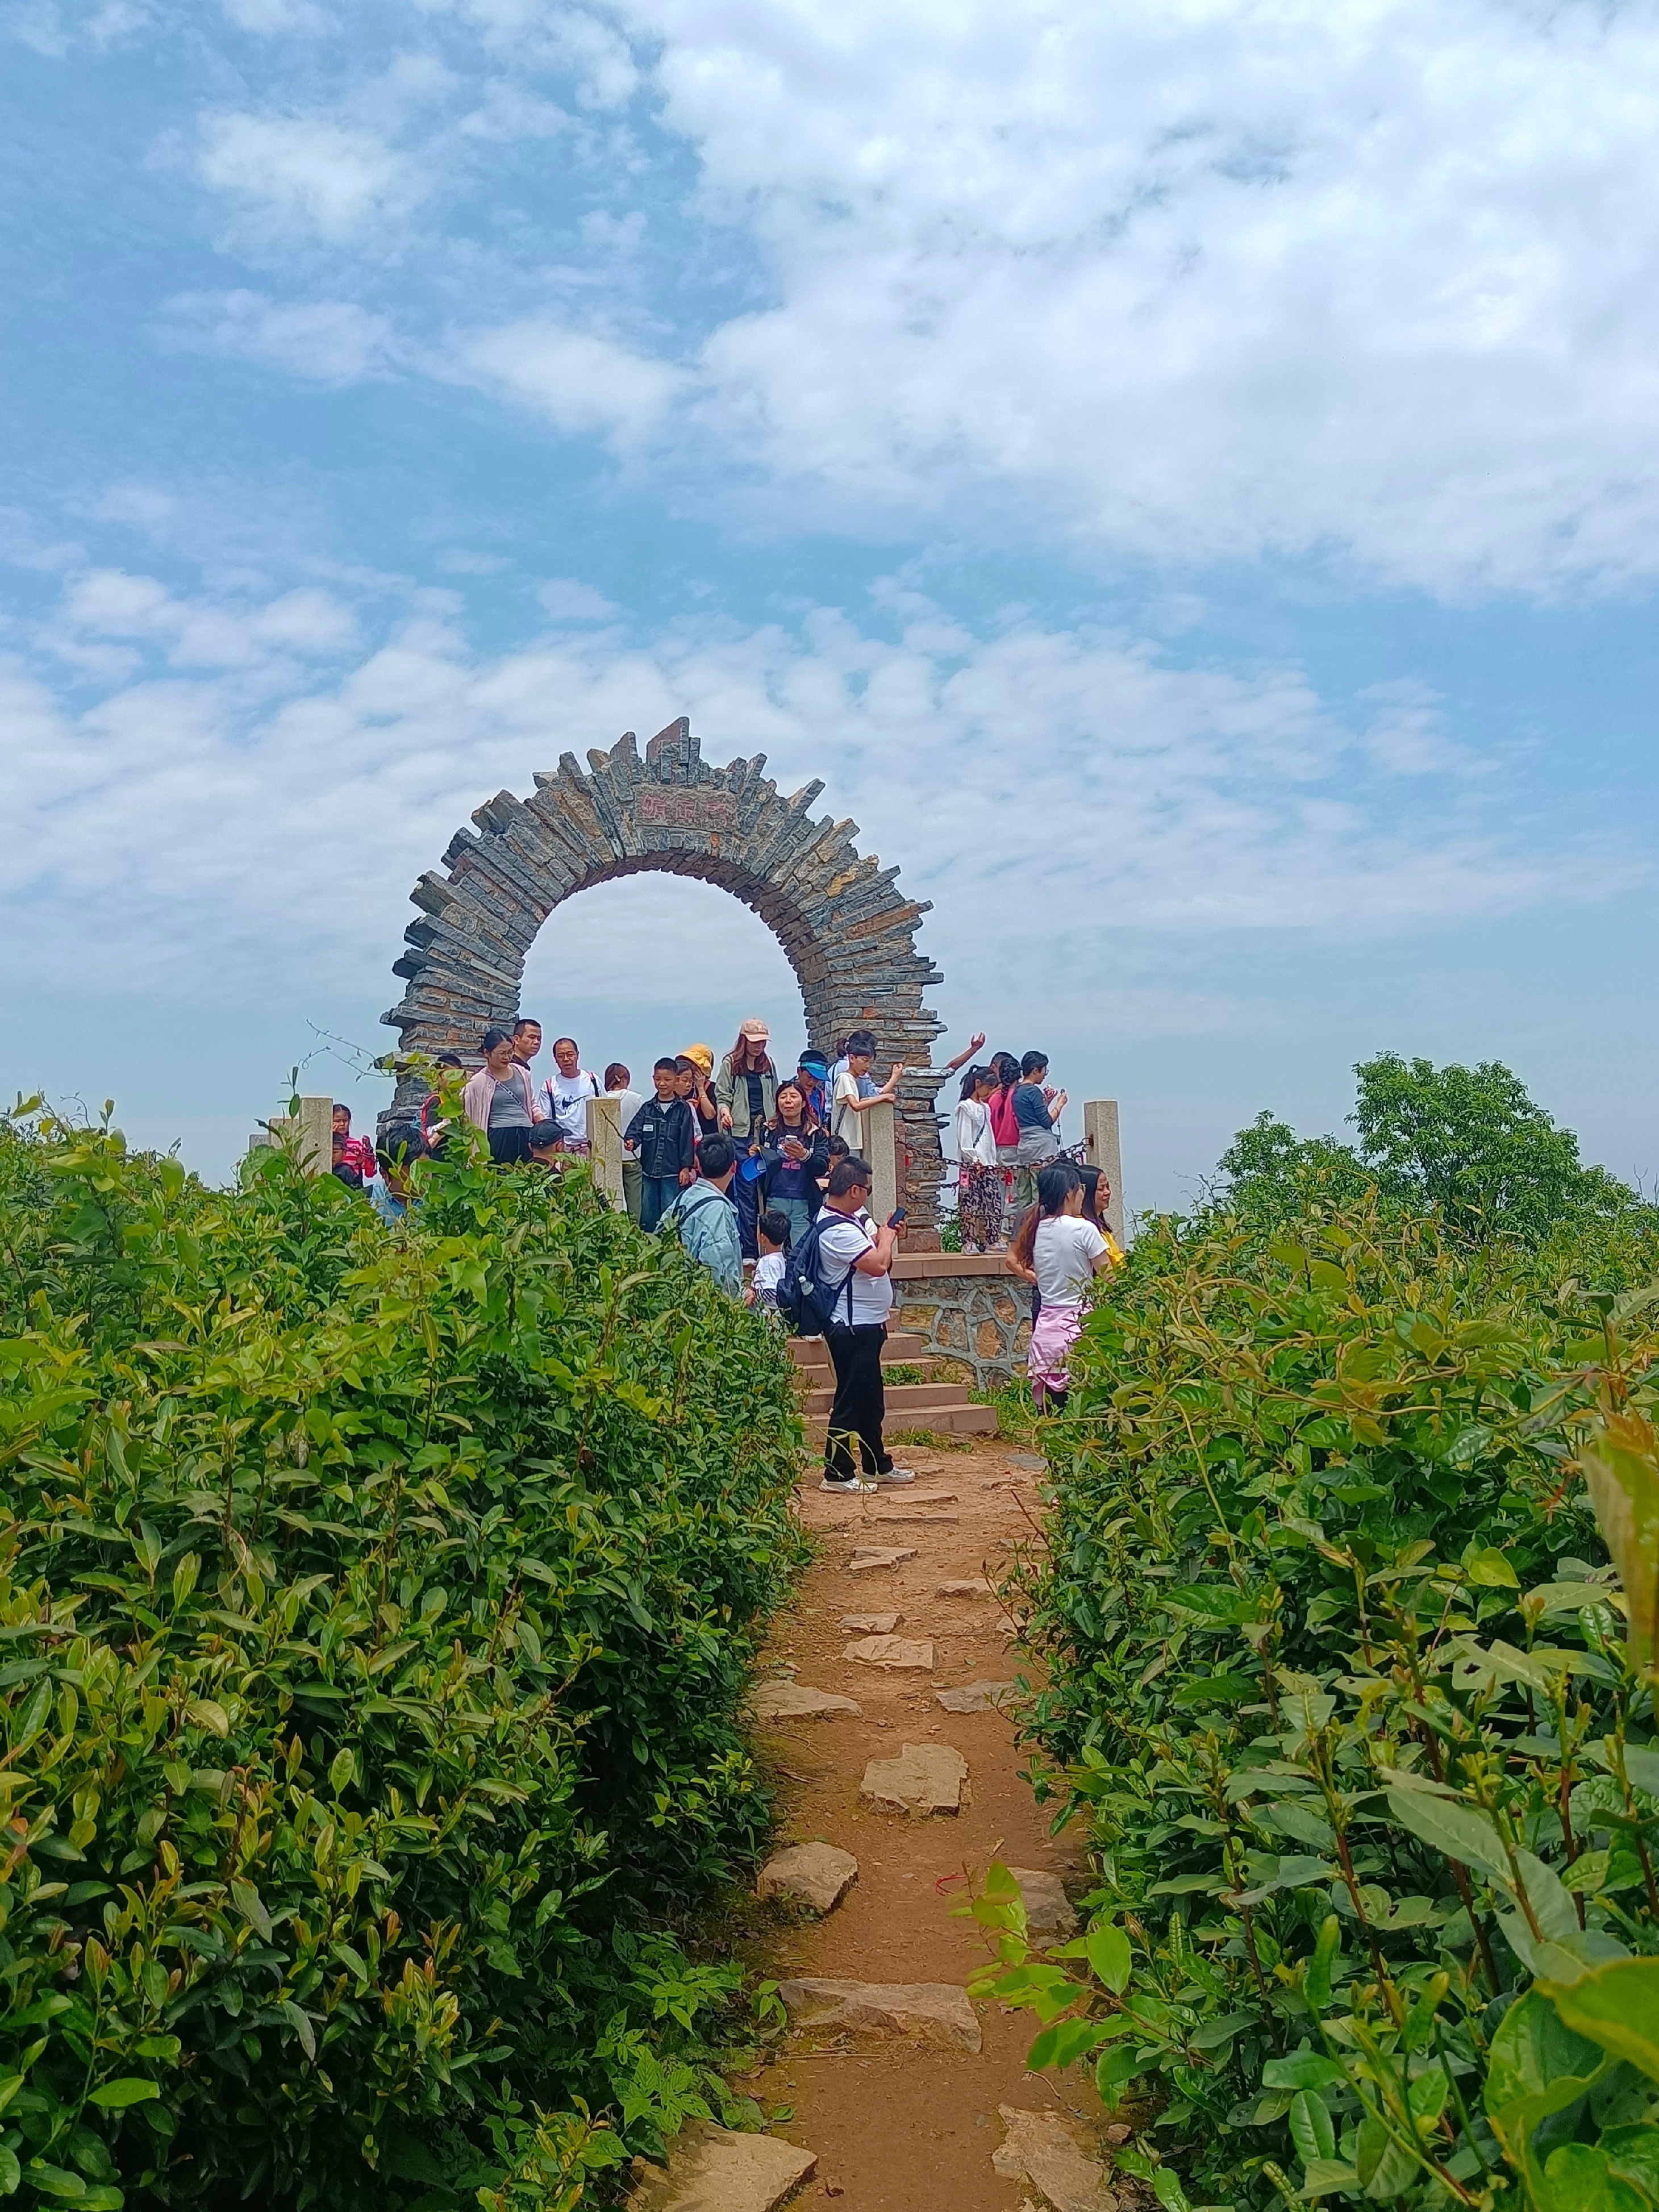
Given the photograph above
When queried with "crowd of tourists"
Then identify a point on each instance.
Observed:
(749, 1163)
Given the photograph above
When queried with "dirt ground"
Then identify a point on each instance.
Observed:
(899, 2125)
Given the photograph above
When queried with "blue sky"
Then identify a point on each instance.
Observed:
(1182, 475)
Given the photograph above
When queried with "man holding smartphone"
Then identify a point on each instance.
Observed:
(855, 1278)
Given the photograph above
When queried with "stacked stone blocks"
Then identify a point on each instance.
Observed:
(848, 933)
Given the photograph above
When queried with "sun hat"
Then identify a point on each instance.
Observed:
(814, 1063)
(702, 1055)
(755, 1028)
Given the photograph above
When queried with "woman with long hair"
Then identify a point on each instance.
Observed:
(1063, 1254)
(796, 1152)
(979, 1178)
(1003, 1127)
(745, 1100)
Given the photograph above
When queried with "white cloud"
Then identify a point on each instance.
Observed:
(302, 173)
(1060, 795)
(567, 601)
(1202, 281)
(56, 27)
(107, 603)
(324, 341)
(580, 382)
(269, 17)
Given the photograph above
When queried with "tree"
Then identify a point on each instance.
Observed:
(1469, 1143)
(1273, 1175)
(1472, 1142)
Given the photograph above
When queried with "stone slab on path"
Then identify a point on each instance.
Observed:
(711, 2170)
(894, 1652)
(917, 1517)
(925, 1778)
(868, 1559)
(1041, 2148)
(870, 1624)
(967, 1586)
(799, 1701)
(977, 1697)
(1048, 1910)
(817, 1873)
(937, 2012)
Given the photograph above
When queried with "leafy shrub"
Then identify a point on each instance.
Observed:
(374, 1611)
(1339, 1679)
(1466, 1144)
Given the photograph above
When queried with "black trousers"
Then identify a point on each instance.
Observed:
(861, 1402)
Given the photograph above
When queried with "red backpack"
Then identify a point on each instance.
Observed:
(1005, 1130)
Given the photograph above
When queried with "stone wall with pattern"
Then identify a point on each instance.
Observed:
(848, 931)
(969, 1311)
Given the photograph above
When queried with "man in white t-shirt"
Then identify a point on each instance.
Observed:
(855, 1264)
(566, 1093)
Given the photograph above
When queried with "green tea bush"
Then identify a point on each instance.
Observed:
(1342, 1681)
(374, 1613)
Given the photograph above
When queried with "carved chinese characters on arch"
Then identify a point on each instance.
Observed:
(849, 934)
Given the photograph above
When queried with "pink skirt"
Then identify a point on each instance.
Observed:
(1051, 1340)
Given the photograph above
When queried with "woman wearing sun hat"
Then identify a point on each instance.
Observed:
(746, 1098)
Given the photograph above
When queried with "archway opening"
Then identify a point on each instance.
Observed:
(650, 963)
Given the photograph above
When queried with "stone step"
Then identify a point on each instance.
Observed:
(934, 2011)
(901, 1397)
(964, 1421)
(712, 2170)
(903, 1348)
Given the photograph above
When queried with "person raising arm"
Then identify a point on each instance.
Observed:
(856, 1092)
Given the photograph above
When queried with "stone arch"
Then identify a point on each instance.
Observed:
(848, 931)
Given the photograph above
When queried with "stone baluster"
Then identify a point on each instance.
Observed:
(1100, 1135)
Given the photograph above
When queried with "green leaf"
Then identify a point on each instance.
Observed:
(1107, 1951)
(11, 2173)
(1316, 1986)
(1062, 2044)
(247, 1899)
(1460, 1831)
(1312, 2129)
(1633, 2154)
(130, 2089)
(53, 2180)
(1326, 2176)
(1580, 2179)
(1537, 2066)
(1622, 1473)
(1386, 2168)
(1617, 2007)
(341, 1769)
(1304, 2069)
(1489, 1569)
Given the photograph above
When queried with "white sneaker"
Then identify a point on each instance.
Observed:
(896, 1475)
(852, 1489)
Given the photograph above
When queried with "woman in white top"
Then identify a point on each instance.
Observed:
(1062, 1253)
(979, 1178)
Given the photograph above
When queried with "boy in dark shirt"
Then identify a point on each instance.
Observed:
(663, 1134)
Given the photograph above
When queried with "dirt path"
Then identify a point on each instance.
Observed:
(898, 2123)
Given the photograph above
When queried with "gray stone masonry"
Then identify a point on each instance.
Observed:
(848, 931)
(970, 1312)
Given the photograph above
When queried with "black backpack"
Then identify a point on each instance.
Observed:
(805, 1307)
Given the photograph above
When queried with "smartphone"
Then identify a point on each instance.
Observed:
(897, 1217)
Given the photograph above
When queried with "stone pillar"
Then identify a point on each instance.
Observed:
(880, 1148)
(1100, 1136)
(605, 1145)
(315, 1148)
